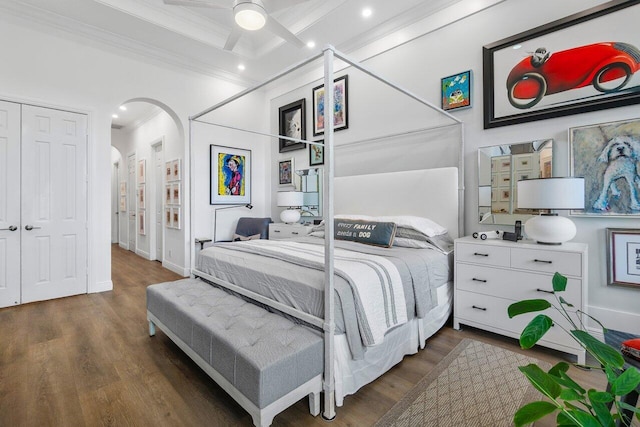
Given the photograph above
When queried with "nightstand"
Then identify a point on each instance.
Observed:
(279, 230)
(492, 274)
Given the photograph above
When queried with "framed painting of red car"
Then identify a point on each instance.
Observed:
(585, 62)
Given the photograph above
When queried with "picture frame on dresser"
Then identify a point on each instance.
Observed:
(623, 257)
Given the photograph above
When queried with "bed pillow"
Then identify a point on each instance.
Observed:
(421, 224)
(367, 232)
(443, 242)
(241, 238)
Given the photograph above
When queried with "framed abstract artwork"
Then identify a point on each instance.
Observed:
(341, 106)
(168, 173)
(141, 196)
(230, 175)
(623, 256)
(142, 171)
(176, 198)
(176, 170)
(606, 156)
(292, 118)
(285, 172)
(316, 154)
(456, 91)
(584, 62)
(142, 230)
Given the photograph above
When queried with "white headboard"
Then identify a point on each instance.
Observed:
(430, 193)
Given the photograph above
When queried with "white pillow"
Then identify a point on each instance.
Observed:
(423, 225)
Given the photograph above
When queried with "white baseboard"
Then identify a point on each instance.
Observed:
(143, 254)
(100, 287)
(613, 319)
(124, 245)
(184, 272)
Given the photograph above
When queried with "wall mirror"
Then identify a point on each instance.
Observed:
(500, 167)
(309, 181)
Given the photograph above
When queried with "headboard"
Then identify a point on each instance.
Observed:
(430, 193)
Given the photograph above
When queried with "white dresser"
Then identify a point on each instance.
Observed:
(280, 230)
(492, 274)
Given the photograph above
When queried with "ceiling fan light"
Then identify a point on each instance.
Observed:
(250, 16)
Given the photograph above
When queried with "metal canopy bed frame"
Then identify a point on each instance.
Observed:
(327, 324)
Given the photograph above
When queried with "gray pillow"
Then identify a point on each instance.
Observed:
(367, 232)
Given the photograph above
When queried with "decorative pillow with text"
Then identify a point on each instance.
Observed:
(367, 232)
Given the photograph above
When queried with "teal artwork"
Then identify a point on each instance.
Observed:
(456, 91)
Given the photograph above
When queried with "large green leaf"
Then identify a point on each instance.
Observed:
(584, 419)
(604, 353)
(603, 414)
(537, 327)
(562, 420)
(559, 372)
(626, 382)
(600, 396)
(527, 306)
(568, 394)
(559, 282)
(532, 412)
(542, 381)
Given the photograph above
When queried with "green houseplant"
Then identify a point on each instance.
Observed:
(575, 405)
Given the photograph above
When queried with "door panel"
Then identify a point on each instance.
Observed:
(159, 193)
(132, 201)
(54, 204)
(9, 204)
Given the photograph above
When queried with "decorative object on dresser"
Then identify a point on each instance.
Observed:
(292, 200)
(606, 155)
(279, 231)
(551, 193)
(490, 275)
(230, 173)
(215, 216)
(623, 256)
(564, 393)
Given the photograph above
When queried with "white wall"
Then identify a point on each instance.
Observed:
(420, 64)
(51, 69)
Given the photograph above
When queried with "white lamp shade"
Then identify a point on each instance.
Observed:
(551, 193)
(290, 198)
(250, 15)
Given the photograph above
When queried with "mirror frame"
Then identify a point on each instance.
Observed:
(310, 211)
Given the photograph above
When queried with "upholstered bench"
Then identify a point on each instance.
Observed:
(264, 361)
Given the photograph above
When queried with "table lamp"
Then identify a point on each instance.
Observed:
(293, 201)
(551, 193)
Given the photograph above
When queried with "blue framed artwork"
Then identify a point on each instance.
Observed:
(230, 175)
(456, 91)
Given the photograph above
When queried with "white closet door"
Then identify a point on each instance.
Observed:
(132, 201)
(159, 198)
(9, 204)
(54, 204)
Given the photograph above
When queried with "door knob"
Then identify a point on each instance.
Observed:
(11, 228)
(31, 227)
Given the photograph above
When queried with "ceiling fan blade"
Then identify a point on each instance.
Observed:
(195, 3)
(276, 5)
(233, 38)
(278, 29)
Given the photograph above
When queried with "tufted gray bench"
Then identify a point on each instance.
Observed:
(264, 361)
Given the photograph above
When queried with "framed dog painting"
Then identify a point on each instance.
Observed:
(606, 156)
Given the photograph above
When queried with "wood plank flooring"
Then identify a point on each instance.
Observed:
(88, 361)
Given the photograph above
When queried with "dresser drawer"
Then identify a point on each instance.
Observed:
(287, 231)
(514, 285)
(566, 263)
(482, 254)
(492, 312)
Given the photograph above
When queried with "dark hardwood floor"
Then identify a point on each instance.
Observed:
(88, 361)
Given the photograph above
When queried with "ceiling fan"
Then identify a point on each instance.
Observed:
(250, 15)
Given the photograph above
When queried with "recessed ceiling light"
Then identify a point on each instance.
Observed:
(115, 116)
(367, 12)
(123, 108)
(241, 67)
(311, 44)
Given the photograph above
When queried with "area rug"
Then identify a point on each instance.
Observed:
(477, 384)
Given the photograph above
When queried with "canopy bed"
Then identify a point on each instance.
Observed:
(372, 305)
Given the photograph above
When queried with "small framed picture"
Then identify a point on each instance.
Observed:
(285, 172)
(175, 218)
(341, 106)
(316, 154)
(168, 194)
(623, 256)
(292, 124)
(142, 223)
(175, 193)
(167, 217)
(168, 171)
(142, 171)
(456, 91)
(123, 188)
(141, 196)
(123, 203)
(176, 170)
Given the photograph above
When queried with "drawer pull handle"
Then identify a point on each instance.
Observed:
(294, 232)
(276, 231)
(479, 254)
(543, 261)
(478, 308)
(479, 280)
(545, 291)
